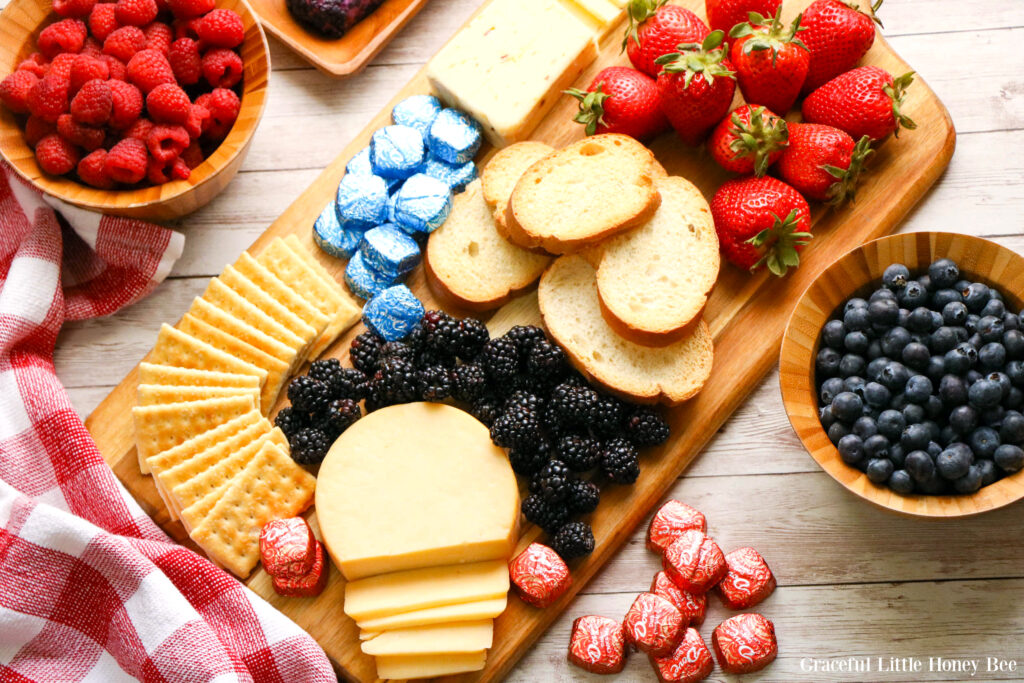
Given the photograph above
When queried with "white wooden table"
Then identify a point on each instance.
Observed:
(853, 581)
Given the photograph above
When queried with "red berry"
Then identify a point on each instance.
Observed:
(92, 170)
(102, 20)
(34, 63)
(124, 42)
(185, 61)
(91, 47)
(127, 104)
(168, 103)
(198, 120)
(166, 143)
(748, 140)
(86, 68)
(76, 133)
(187, 28)
(60, 67)
(66, 35)
(188, 9)
(193, 155)
(48, 98)
(127, 160)
(36, 129)
(158, 36)
(223, 105)
(118, 71)
(139, 130)
(222, 68)
(656, 29)
(222, 28)
(148, 69)
(159, 172)
(93, 103)
(135, 12)
(14, 90)
(56, 155)
(73, 8)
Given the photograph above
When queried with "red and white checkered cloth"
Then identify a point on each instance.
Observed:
(90, 588)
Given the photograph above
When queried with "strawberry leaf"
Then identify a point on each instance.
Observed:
(896, 92)
(591, 112)
(639, 11)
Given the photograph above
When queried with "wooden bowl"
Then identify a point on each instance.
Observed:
(858, 273)
(20, 24)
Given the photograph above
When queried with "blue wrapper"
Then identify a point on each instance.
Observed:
(360, 163)
(423, 204)
(418, 111)
(331, 237)
(393, 313)
(365, 281)
(389, 250)
(456, 176)
(362, 201)
(397, 152)
(454, 137)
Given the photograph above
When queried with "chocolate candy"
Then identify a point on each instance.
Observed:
(387, 249)
(747, 581)
(418, 111)
(365, 281)
(362, 201)
(397, 152)
(287, 547)
(422, 204)
(331, 237)
(671, 520)
(311, 584)
(744, 643)
(456, 176)
(692, 606)
(653, 625)
(694, 562)
(393, 313)
(597, 645)
(454, 137)
(690, 662)
(539, 575)
(360, 163)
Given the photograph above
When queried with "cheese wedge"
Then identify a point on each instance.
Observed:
(467, 611)
(403, 667)
(470, 636)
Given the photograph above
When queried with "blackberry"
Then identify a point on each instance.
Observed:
(291, 420)
(553, 482)
(645, 427)
(364, 352)
(619, 461)
(394, 382)
(486, 408)
(473, 335)
(500, 359)
(523, 336)
(396, 350)
(341, 382)
(309, 446)
(548, 516)
(341, 414)
(516, 427)
(428, 356)
(527, 401)
(572, 404)
(434, 383)
(606, 416)
(583, 497)
(469, 382)
(546, 360)
(580, 453)
(528, 462)
(441, 331)
(575, 539)
(308, 394)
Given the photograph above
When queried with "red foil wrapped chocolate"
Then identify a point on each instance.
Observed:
(690, 662)
(692, 606)
(287, 547)
(539, 575)
(747, 581)
(653, 625)
(694, 562)
(307, 586)
(745, 643)
(670, 521)
(597, 645)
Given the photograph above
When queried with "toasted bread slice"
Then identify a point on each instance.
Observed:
(654, 281)
(572, 314)
(585, 193)
(470, 265)
(503, 172)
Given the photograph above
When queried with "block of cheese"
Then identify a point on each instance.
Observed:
(467, 611)
(403, 667)
(416, 589)
(507, 67)
(605, 12)
(416, 485)
(469, 636)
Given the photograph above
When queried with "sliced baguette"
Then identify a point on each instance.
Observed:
(589, 191)
(503, 172)
(469, 265)
(572, 314)
(654, 281)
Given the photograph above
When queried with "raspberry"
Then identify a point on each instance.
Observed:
(158, 36)
(139, 130)
(127, 104)
(222, 68)
(56, 155)
(73, 8)
(222, 28)
(91, 47)
(198, 120)
(124, 42)
(118, 71)
(86, 68)
(188, 9)
(92, 170)
(158, 172)
(102, 20)
(48, 98)
(187, 28)
(93, 103)
(34, 63)
(166, 143)
(148, 68)
(185, 61)
(66, 35)
(135, 12)
(168, 103)
(126, 161)
(193, 155)
(36, 129)
(223, 105)
(86, 137)
(14, 90)
(60, 67)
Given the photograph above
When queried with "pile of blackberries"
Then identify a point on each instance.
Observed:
(921, 385)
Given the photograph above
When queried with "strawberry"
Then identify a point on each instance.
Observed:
(823, 162)
(656, 29)
(696, 87)
(761, 222)
(724, 14)
(771, 62)
(621, 100)
(749, 140)
(864, 101)
(838, 35)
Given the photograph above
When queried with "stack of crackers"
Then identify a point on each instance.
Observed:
(205, 390)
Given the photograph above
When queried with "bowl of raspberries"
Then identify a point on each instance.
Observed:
(140, 108)
(902, 371)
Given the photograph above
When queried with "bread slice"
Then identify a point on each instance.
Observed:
(503, 172)
(572, 314)
(469, 265)
(587, 192)
(654, 281)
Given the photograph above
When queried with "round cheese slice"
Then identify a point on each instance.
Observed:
(416, 485)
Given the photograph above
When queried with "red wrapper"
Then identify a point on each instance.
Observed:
(692, 606)
(597, 645)
(287, 547)
(670, 521)
(745, 643)
(748, 580)
(694, 562)
(653, 625)
(539, 575)
(308, 586)
(689, 662)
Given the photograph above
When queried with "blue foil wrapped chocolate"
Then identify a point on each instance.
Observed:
(418, 111)
(365, 281)
(393, 313)
(388, 249)
(423, 204)
(457, 176)
(331, 237)
(397, 152)
(360, 163)
(454, 137)
(362, 201)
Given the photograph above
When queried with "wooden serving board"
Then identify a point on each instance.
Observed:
(747, 315)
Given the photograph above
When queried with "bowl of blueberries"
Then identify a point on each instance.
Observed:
(902, 372)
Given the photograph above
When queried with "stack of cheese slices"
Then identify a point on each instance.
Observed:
(205, 389)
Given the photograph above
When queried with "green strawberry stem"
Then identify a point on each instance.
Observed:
(847, 178)
(639, 11)
(591, 111)
(780, 244)
(874, 10)
(767, 34)
(692, 59)
(896, 92)
(760, 138)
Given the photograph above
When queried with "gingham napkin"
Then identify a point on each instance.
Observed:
(90, 588)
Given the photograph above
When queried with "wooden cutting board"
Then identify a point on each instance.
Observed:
(747, 315)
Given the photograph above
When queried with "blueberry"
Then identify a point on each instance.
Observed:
(857, 342)
(915, 437)
(897, 455)
(1012, 429)
(855, 302)
(1009, 458)
(961, 285)
(993, 417)
(972, 376)
(852, 364)
(948, 435)
(1013, 342)
(876, 446)
(883, 312)
(934, 430)
(875, 368)
(994, 307)
(976, 296)
(913, 295)
(901, 482)
(896, 276)
(1015, 371)
(976, 341)
(837, 431)
(831, 388)
(989, 473)
(1014, 400)
(944, 272)
(851, 449)
(882, 293)
(1003, 380)
(985, 393)
(964, 419)
(992, 356)
(826, 417)
(943, 340)
(920, 465)
(827, 362)
(952, 390)
(894, 341)
(876, 395)
(865, 427)
(847, 406)
(879, 470)
(891, 424)
(920, 319)
(970, 482)
(833, 334)
(954, 313)
(954, 462)
(934, 407)
(926, 282)
(914, 413)
(991, 329)
(899, 402)
(933, 485)
(916, 355)
(855, 384)
(960, 359)
(983, 441)
(902, 321)
(1011, 321)
(936, 320)
(936, 369)
(971, 325)
(944, 296)
(918, 389)
(962, 334)
(894, 376)
(856, 319)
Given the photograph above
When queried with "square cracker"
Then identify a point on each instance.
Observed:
(159, 394)
(268, 304)
(283, 292)
(174, 347)
(230, 301)
(271, 487)
(166, 374)
(239, 329)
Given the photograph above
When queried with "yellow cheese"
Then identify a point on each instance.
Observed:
(367, 635)
(509, 65)
(390, 594)
(467, 611)
(620, 3)
(470, 636)
(416, 485)
(400, 667)
(605, 12)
